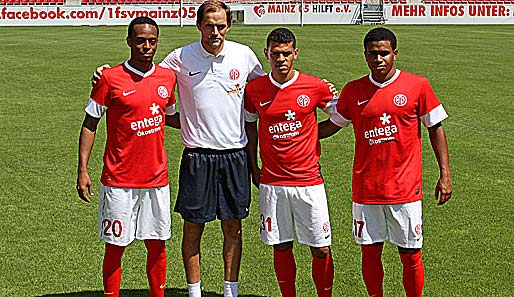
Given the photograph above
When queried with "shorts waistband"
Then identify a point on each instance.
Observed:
(207, 151)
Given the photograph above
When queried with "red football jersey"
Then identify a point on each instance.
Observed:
(136, 103)
(387, 121)
(288, 129)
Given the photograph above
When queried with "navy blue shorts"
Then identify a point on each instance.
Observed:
(213, 184)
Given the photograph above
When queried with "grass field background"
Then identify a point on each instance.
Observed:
(48, 242)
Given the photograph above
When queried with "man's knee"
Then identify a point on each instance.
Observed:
(403, 250)
(283, 246)
(192, 232)
(155, 245)
(320, 252)
(231, 229)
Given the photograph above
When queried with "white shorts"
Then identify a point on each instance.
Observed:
(127, 213)
(304, 207)
(400, 224)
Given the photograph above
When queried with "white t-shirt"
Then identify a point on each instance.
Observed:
(211, 90)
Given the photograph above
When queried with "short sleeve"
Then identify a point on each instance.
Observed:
(94, 109)
(251, 117)
(254, 66)
(171, 109)
(250, 112)
(341, 115)
(171, 61)
(172, 100)
(327, 101)
(431, 111)
(99, 100)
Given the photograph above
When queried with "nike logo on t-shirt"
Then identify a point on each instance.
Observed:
(264, 103)
(125, 94)
(362, 102)
(194, 73)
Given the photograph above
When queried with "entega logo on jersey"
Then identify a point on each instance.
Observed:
(148, 122)
(387, 130)
(288, 127)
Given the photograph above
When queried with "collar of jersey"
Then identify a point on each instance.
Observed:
(387, 82)
(287, 83)
(206, 54)
(142, 74)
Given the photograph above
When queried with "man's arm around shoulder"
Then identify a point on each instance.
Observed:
(98, 73)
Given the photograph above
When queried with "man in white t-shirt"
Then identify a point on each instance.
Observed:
(214, 176)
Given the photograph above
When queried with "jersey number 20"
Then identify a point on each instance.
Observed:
(112, 226)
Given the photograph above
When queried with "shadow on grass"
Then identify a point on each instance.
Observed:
(140, 293)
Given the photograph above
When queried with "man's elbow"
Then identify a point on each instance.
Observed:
(327, 129)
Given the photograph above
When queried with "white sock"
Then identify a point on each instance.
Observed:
(230, 289)
(195, 290)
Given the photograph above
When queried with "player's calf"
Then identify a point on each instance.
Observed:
(322, 271)
(413, 271)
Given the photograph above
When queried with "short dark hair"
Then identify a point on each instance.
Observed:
(213, 6)
(281, 35)
(380, 34)
(141, 20)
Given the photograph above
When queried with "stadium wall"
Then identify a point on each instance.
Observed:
(449, 14)
(256, 14)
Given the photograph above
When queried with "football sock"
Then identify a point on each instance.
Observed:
(285, 270)
(156, 266)
(372, 270)
(112, 269)
(230, 289)
(195, 290)
(413, 274)
(323, 275)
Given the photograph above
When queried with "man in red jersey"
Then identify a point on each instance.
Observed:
(213, 179)
(134, 200)
(292, 192)
(386, 109)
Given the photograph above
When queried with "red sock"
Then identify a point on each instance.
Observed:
(323, 275)
(285, 270)
(156, 266)
(372, 270)
(112, 269)
(413, 274)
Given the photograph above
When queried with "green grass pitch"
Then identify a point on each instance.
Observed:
(48, 242)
